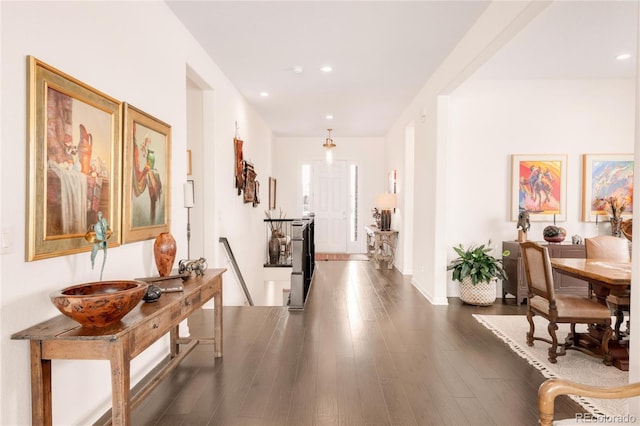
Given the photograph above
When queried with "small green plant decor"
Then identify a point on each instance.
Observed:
(477, 272)
(477, 262)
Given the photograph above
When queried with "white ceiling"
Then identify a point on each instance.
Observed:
(383, 52)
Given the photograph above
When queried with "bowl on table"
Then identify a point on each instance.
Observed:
(99, 304)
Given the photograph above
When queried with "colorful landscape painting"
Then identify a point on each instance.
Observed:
(610, 178)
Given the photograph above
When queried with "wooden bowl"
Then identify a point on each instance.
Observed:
(99, 304)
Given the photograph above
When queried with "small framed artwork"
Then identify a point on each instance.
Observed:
(74, 170)
(605, 176)
(393, 182)
(539, 186)
(272, 193)
(393, 175)
(147, 176)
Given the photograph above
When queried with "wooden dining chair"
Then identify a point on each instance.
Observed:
(616, 249)
(551, 388)
(560, 308)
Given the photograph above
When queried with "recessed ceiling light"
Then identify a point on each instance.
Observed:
(264, 94)
(298, 69)
(329, 117)
(623, 56)
(326, 68)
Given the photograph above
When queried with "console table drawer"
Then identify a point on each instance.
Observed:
(149, 332)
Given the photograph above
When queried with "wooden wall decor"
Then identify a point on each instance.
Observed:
(239, 164)
(249, 183)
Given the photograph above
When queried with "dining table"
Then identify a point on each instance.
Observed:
(606, 277)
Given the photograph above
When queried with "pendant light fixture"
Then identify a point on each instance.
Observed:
(328, 146)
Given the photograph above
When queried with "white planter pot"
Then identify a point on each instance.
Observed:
(481, 294)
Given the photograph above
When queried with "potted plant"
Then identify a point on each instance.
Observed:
(477, 271)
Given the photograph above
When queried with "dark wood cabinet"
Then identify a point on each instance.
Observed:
(516, 282)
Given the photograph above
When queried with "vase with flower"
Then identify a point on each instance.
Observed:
(615, 206)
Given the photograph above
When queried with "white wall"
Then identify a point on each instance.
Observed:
(136, 52)
(497, 25)
(290, 153)
(491, 120)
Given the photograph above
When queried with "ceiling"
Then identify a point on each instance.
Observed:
(383, 52)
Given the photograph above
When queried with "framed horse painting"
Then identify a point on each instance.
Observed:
(539, 186)
(147, 176)
(605, 176)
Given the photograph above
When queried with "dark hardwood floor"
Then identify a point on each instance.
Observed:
(368, 349)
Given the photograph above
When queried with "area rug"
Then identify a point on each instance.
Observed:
(341, 256)
(575, 365)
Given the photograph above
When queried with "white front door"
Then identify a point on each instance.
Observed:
(329, 203)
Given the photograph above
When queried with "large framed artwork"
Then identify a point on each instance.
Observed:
(74, 166)
(605, 176)
(147, 176)
(539, 185)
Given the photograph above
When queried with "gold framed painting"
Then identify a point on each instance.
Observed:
(147, 176)
(272, 193)
(605, 176)
(74, 169)
(539, 186)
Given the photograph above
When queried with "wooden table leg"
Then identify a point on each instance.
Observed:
(217, 326)
(120, 384)
(174, 336)
(41, 412)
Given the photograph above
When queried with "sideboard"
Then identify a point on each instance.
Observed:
(63, 338)
(381, 245)
(516, 282)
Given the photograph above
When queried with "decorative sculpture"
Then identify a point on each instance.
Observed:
(377, 216)
(523, 225)
(186, 267)
(98, 235)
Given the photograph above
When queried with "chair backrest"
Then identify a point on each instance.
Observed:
(537, 266)
(607, 247)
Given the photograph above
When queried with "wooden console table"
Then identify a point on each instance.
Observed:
(381, 245)
(63, 338)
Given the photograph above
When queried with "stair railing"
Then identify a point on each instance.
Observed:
(236, 270)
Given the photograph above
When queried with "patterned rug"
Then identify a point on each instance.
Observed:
(574, 366)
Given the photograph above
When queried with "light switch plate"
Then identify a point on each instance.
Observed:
(6, 241)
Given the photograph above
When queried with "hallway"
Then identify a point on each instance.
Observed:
(368, 349)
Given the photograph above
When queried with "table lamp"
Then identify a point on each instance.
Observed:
(385, 202)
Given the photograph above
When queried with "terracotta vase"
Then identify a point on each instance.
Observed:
(164, 252)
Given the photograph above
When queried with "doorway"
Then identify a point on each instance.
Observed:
(327, 198)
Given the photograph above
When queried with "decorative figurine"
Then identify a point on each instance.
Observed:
(576, 239)
(153, 293)
(186, 267)
(377, 216)
(523, 225)
(98, 235)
